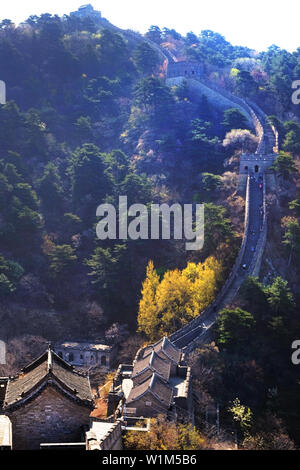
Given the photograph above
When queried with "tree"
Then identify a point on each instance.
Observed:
(295, 206)
(62, 260)
(5, 190)
(147, 315)
(103, 265)
(137, 188)
(291, 238)
(284, 165)
(166, 435)
(145, 58)
(50, 189)
(6, 287)
(178, 298)
(12, 175)
(72, 224)
(253, 292)
(27, 196)
(117, 167)
(90, 183)
(210, 182)
(217, 227)
(154, 98)
(113, 54)
(280, 297)
(175, 302)
(269, 433)
(239, 139)
(245, 85)
(234, 329)
(234, 119)
(26, 222)
(10, 275)
(191, 38)
(242, 416)
(292, 142)
(154, 33)
(84, 129)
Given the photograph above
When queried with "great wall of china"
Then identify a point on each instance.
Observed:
(129, 395)
(254, 171)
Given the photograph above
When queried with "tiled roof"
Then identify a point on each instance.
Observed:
(154, 385)
(154, 363)
(73, 380)
(48, 367)
(83, 346)
(164, 347)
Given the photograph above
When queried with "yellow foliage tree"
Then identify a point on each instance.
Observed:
(164, 435)
(180, 296)
(148, 316)
(175, 302)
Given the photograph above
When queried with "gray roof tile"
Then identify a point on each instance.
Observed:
(48, 367)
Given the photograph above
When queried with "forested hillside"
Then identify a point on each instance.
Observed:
(90, 118)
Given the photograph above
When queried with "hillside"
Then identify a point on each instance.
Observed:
(89, 118)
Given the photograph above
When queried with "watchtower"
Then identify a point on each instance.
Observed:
(254, 164)
(185, 69)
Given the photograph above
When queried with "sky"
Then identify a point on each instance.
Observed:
(253, 23)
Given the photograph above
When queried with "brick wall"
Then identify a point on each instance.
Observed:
(50, 417)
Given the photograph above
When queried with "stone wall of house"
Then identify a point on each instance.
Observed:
(48, 418)
(79, 357)
(147, 406)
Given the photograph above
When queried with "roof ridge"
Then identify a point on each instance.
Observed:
(50, 362)
(152, 358)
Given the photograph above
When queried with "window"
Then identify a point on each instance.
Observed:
(256, 168)
(148, 403)
(71, 357)
(103, 361)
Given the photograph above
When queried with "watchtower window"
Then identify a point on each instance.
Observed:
(103, 361)
(193, 72)
(246, 168)
(256, 168)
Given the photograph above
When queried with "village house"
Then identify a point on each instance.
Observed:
(158, 382)
(48, 402)
(85, 354)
